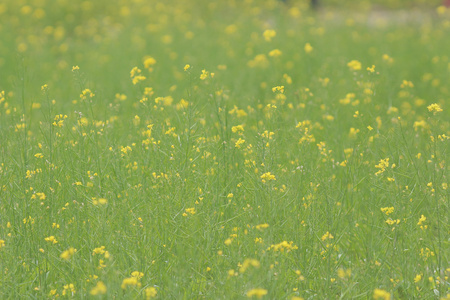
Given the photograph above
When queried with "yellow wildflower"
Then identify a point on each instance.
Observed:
(67, 254)
(150, 292)
(435, 108)
(51, 239)
(99, 289)
(354, 65)
(308, 48)
(381, 294)
(269, 34)
(259, 293)
(267, 176)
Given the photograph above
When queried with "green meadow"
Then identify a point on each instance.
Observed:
(224, 149)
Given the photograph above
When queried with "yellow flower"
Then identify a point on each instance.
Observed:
(138, 78)
(259, 61)
(150, 292)
(204, 74)
(387, 210)
(283, 246)
(382, 165)
(275, 53)
(189, 211)
(149, 61)
(135, 75)
(74, 68)
(387, 58)
(262, 226)
(259, 293)
(239, 143)
(99, 289)
(99, 250)
(247, 263)
(68, 288)
(51, 239)
(435, 108)
(238, 128)
(67, 254)
(187, 67)
(137, 274)
(418, 278)
(354, 65)
(130, 281)
(308, 48)
(381, 294)
(327, 235)
(2, 244)
(421, 220)
(406, 83)
(267, 176)
(278, 89)
(269, 34)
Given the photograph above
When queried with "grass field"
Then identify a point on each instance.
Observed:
(223, 150)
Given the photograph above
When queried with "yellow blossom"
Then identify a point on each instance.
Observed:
(258, 293)
(387, 210)
(247, 263)
(354, 65)
(269, 34)
(417, 278)
(283, 246)
(130, 281)
(379, 294)
(327, 235)
(99, 289)
(239, 142)
(435, 108)
(278, 89)
(51, 239)
(149, 62)
(67, 254)
(150, 292)
(68, 288)
(308, 48)
(267, 177)
(262, 226)
(238, 128)
(275, 53)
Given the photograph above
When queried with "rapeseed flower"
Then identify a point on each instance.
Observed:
(435, 108)
(308, 48)
(150, 292)
(267, 177)
(379, 294)
(69, 288)
(258, 293)
(99, 289)
(51, 239)
(354, 65)
(67, 254)
(269, 34)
